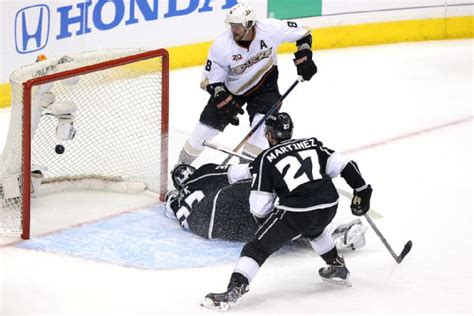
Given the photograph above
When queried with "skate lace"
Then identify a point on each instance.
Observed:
(236, 292)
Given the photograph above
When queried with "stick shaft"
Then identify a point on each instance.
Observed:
(398, 259)
(227, 151)
(382, 238)
(276, 106)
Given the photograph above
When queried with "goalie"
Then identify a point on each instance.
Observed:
(208, 203)
(43, 102)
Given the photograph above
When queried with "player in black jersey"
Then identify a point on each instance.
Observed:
(298, 172)
(208, 203)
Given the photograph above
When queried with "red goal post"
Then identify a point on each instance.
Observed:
(118, 126)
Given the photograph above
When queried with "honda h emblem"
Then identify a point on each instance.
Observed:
(32, 28)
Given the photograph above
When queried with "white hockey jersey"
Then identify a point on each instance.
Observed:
(240, 68)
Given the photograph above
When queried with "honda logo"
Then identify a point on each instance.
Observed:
(32, 28)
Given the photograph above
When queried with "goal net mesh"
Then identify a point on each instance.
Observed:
(113, 131)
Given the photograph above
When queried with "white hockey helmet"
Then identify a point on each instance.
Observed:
(241, 13)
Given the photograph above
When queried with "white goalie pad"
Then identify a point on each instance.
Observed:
(37, 176)
(70, 81)
(44, 88)
(65, 129)
(36, 179)
(90, 183)
(349, 235)
(63, 108)
(11, 186)
(44, 99)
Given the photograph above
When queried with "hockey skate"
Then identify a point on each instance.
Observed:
(336, 273)
(224, 301)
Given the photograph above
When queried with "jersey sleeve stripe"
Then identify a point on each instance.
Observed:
(213, 214)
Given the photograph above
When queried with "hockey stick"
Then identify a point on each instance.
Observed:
(227, 151)
(373, 213)
(405, 250)
(398, 259)
(275, 107)
(376, 215)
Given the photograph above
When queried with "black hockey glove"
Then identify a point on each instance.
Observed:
(361, 201)
(232, 112)
(227, 105)
(305, 65)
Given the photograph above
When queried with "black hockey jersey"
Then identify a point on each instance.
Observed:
(296, 172)
(212, 208)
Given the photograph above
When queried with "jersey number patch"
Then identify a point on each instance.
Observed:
(208, 65)
(300, 170)
(292, 24)
(184, 211)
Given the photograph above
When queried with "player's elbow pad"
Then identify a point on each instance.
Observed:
(352, 175)
(261, 203)
(238, 172)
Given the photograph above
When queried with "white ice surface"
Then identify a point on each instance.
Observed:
(411, 103)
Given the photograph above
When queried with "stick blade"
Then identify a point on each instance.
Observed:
(405, 251)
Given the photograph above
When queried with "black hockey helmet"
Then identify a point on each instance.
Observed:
(180, 174)
(280, 126)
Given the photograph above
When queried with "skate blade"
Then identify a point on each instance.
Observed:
(338, 282)
(209, 304)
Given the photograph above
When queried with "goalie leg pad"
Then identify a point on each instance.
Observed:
(350, 235)
(45, 99)
(64, 111)
(36, 179)
(63, 108)
(45, 87)
(65, 129)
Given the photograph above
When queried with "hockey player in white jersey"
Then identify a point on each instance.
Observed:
(242, 69)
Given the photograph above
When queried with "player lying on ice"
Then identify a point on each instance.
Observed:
(207, 203)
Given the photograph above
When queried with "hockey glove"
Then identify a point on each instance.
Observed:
(305, 65)
(227, 105)
(361, 201)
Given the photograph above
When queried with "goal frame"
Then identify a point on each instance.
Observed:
(26, 121)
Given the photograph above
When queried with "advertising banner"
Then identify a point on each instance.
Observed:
(187, 28)
(55, 27)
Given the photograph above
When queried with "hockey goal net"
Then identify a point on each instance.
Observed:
(91, 121)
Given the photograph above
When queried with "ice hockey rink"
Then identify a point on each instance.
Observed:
(404, 112)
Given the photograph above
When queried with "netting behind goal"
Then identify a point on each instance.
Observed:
(95, 120)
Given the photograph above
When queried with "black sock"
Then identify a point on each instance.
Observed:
(237, 279)
(331, 257)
